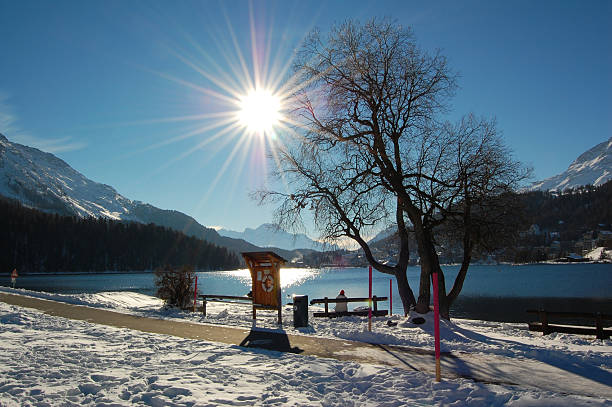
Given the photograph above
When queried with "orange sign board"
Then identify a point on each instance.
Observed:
(266, 282)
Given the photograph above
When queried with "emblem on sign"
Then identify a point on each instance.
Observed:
(267, 282)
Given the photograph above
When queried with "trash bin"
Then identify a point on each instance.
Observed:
(300, 311)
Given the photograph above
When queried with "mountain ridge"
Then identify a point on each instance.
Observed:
(43, 181)
(593, 167)
(268, 235)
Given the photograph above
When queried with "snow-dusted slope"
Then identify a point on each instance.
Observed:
(384, 234)
(267, 235)
(42, 180)
(45, 182)
(594, 167)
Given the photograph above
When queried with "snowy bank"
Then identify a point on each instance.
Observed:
(52, 360)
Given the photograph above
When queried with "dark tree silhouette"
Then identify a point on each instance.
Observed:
(34, 241)
(371, 148)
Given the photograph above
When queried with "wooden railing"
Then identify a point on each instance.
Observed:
(546, 327)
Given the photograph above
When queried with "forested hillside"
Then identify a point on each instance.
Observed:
(555, 225)
(547, 226)
(572, 212)
(34, 241)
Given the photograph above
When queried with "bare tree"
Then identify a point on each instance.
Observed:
(340, 187)
(175, 287)
(372, 150)
(468, 191)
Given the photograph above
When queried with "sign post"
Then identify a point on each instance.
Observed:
(14, 276)
(370, 302)
(434, 277)
(265, 281)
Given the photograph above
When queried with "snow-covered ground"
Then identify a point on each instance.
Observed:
(600, 254)
(46, 360)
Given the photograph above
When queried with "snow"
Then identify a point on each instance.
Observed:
(42, 181)
(48, 360)
(593, 167)
(27, 172)
(599, 253)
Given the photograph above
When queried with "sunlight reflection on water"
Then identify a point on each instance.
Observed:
(495, 292)
(289, 276)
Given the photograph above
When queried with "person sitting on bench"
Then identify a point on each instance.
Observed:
(341, 306)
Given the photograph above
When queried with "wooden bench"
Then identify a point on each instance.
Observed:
(546, 327)
(326, 301)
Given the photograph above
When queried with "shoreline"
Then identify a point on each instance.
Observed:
(547, 263)
(492, 309)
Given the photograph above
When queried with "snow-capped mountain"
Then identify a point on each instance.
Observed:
(593, 167)
(41, 180)
(44, 181)
(268, 235)
(383, 234)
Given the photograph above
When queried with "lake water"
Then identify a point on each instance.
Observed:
(499, 293)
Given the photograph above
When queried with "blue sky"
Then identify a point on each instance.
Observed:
(102, 84)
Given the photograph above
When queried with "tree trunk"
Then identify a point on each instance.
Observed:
(422, 306)
(430, 263)
(468, 246)
(443, 303)
(405, 292)
(458, 285)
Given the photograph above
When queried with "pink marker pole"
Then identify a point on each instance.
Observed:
(434, 277)
(370, 303)
(195, 294)
(390, 296)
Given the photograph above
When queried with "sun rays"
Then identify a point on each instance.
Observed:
(243, 84)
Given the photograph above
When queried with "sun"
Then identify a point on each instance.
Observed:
(260, 111)
(244, 103)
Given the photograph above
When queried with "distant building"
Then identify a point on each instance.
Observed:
(574, 257)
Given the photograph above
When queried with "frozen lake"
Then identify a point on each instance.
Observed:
(500, 292)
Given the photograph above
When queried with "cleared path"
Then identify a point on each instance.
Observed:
(490, 368)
